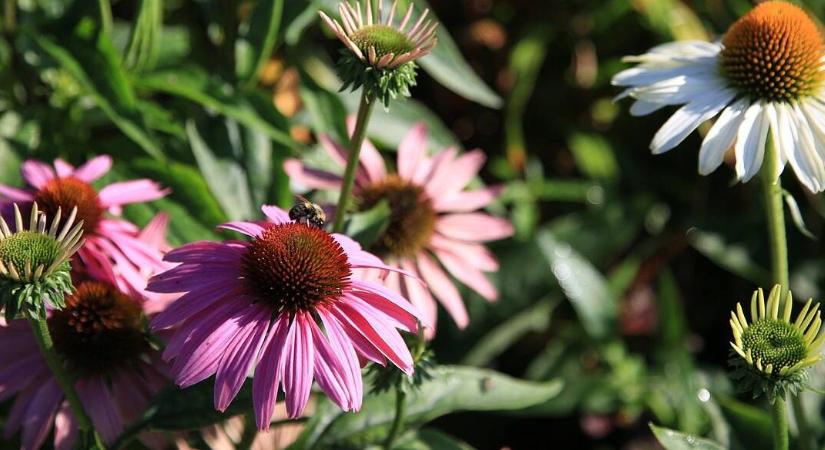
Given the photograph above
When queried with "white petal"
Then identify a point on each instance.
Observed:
(804, 157)
(687, 118)
(720, 137)
(643, 108)
(750, 142)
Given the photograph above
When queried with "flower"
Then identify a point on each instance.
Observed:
(434, 222)
(772, 352)
(101, 337)
(765, 77)
(113, 248)
(34, 262)
(258, 304)
(380, 54)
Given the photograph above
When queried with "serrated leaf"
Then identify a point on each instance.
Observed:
(675, 440)
(584, 286)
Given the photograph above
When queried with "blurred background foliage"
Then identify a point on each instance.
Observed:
(619, 282)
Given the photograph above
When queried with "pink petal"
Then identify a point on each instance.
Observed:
(276, 215)
(309, 177)
(329, 371)
(206, 251)
(420, 297)
(240, 353)
(383, 336)
(15, 195)
(94, 168)
(99, 405)
(40, 413)
(468, 275)
(467, 201)
(63, 168)
(456, 175)
(299, 364)
(473, 227)
(370, 159)
(440, 168)
(267, 378)
(192, 303)
(389, 302)
(342, 346)
(135, 191)
(154, 233)
(363, 347)
(36, 173)
(339, 154)
(412, 150)
(65, 428)
(471, 253)
(248, 228)
(443, 289)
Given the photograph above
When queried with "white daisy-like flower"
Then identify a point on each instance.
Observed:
(767, 79)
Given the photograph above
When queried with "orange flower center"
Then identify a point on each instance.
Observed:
(67, 193)
(412, 217)
(296, 266)
(100, 329)
(773, 53)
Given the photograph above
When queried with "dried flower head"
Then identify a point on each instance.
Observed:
(34, 262)
(380, 55)
(772, 352)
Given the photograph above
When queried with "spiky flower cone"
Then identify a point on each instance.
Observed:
(380, 53)
(34, 262)
(772, 353)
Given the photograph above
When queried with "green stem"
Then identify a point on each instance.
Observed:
(44, 340)
(775, 215)
(397, 423)
(364, 111)
(780, 424)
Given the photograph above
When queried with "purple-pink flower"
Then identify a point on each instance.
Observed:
(113, 248)
(285, 304)
(101, 337)
(435, 223)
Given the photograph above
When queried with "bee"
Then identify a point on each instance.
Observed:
(307, 213)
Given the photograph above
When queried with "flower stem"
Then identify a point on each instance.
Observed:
(780, 424)
(364, 111)
(775, 215)
(400, 409)
(44, 341)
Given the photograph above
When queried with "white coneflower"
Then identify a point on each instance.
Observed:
(765, 77)
(34, 262)
(381, 53)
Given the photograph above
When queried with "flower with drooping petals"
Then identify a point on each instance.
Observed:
(434, 223)
(766, 77)
(285, 303)
(101, 337)
(113, 248)
(34, 262)
(772, 352)
(381, 55)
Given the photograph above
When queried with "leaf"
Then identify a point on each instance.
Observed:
(255, 46)
(674, 440)
(586, 288)
(367, 226)
(536, 318)
(328, 114)
(431, 439)
(733, 257)
(226, 178)
(246, 107)
(104, 81)
(175, 409)
(751, 425)
(144, 42)
(451, 389)
(594, 156)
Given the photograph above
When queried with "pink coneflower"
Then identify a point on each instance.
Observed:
(113, 249)
(263, 304)
(435, 223)
(101, 337)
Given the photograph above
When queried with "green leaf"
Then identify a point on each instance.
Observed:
(451, 389)
(735, 258)
(674, 440)
(246, 107)
(175, 409)
(225, 176)
(367, 226)
(751, 425)
(326, 110)
(255, 45)
(144, 42)
(95, 65)
(430, 439)
(594, 156)
(586, 288)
